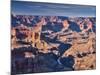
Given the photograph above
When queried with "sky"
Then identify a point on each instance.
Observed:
(52, 9)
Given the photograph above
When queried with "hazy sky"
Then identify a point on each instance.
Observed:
(52, 9)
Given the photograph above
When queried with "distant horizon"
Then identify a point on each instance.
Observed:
(52, 9)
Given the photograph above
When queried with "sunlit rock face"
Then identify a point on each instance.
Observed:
(65, 24)
(52, 43)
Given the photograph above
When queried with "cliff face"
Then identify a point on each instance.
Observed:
(87, 62)
(84, 53)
